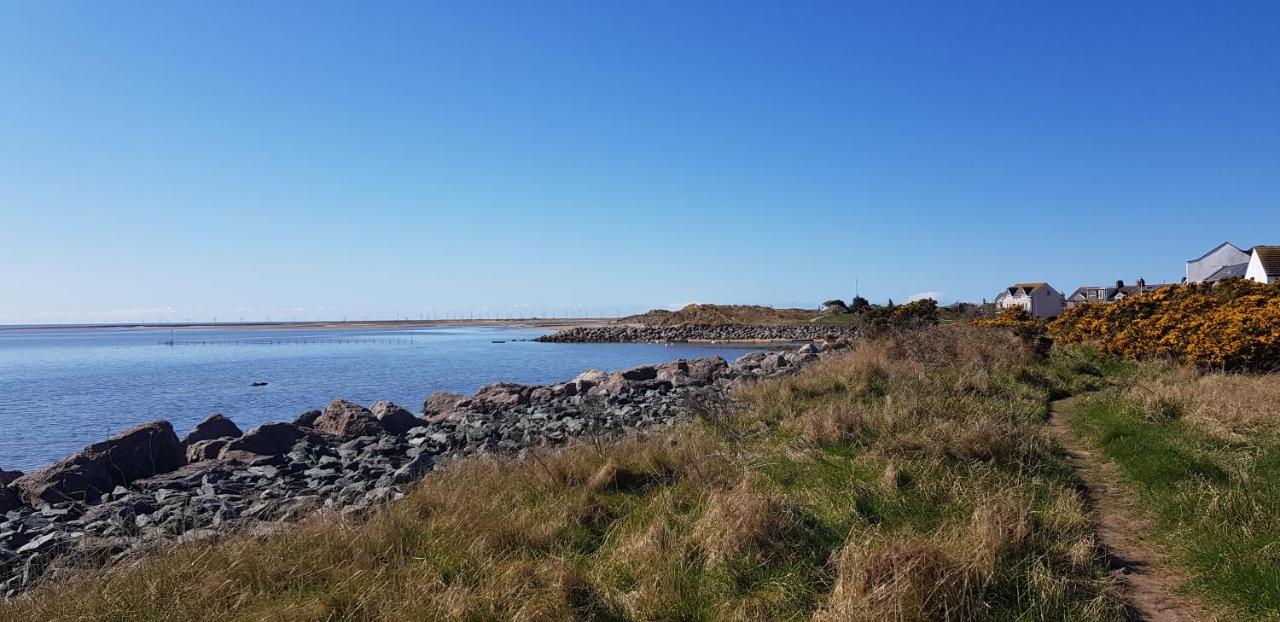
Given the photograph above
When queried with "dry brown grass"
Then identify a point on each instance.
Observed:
(1229, 406)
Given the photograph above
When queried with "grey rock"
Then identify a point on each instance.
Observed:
(44, 544)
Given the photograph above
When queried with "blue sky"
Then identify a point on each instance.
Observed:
(289, 159)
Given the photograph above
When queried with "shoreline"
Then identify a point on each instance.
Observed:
(122, 497)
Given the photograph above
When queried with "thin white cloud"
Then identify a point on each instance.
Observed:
(936, 296)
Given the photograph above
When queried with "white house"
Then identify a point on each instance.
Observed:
(1225, 258)
(1040, 300)
(1264, 264)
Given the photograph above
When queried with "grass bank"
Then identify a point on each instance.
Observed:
(910, 479)
(1201, 454)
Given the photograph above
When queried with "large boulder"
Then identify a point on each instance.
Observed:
(307, 419)
(268, 439)
(442, 404)
(214, 426)
(750, 361)
(207, 449)
(643, 372)
(588, 379)
(347, 420)
(614, 384)
(393, 418)
(144, 451)
(500, 395)
(703, 371)
(7, 477)
(773, 362)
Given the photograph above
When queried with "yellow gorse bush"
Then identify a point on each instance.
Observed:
(1232, 325)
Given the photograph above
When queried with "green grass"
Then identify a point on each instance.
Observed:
(910, 479)
(1216, 503)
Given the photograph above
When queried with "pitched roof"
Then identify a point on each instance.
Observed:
(1232, 271)
(1269, 257)
(1080, 291)
(1216, 249)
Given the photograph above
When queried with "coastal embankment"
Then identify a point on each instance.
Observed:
(697, 333)
(121, 498)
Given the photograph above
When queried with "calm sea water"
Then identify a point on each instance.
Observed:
(61, 390)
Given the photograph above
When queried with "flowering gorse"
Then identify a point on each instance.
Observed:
(1234, 325)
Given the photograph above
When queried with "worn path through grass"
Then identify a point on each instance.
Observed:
(1151, 582)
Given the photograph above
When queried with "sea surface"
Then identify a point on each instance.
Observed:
(61, 390)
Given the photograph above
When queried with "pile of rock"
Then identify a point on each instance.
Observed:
(120, 497)
(703, 333)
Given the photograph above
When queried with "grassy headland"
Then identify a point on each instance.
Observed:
(910, 479)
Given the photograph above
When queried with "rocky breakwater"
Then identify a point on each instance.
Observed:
(146, 487)
(708, 333)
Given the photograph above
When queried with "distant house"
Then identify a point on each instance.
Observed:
(1116, 293)
(834, 307)
(1264, 264)
(1090, 293)
(1211, 264)
(1040, 300)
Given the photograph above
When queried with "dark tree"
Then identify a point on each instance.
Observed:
(858, 304)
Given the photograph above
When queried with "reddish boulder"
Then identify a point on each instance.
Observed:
(268, 439)
(703, 371)
(501, 395)
(589, 379)
(393, 418)
(307, 419)
(143, 451)
(207, 449)
(443, 404)
(345, 419)
(214, 426)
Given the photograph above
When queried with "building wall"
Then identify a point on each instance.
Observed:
(1256, 272)
(1047, 303)
(1203, 268)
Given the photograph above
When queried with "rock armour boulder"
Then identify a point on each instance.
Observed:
(268, 439)
(214, 426)
(347, 420)
(393, 418)
(141, 452)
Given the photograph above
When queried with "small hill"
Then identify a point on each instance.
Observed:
(719, 315)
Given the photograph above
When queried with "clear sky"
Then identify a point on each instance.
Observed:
(183, 160)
